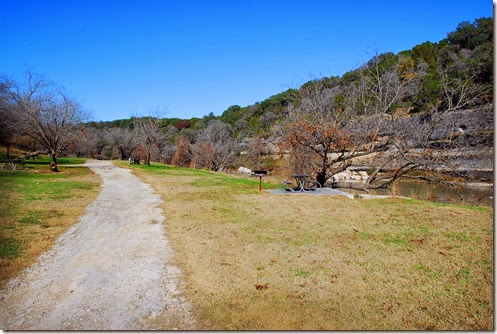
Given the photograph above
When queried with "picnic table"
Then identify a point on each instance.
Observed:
(304, 183)
(301, 179)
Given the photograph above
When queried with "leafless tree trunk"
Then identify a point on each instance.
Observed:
(147, 133)
(46, 114)
(165, 147)
(214, 147)
(319, 124)
(341, 124)
(257, 152)
(124, 140)
(91, 143)
(418, 141)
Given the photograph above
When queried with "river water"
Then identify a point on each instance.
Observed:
(474, 195)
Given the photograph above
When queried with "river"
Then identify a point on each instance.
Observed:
(474, 195)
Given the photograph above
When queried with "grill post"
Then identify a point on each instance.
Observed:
(260, 174)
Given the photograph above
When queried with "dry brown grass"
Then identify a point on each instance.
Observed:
(260, 261)
(36, 207)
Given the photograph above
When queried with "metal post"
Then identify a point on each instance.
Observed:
(260, 182)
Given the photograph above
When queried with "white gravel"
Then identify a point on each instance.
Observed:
(111, 271)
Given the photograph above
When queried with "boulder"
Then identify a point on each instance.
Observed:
(244, 171)
(354, 177)
(350, 176)
(341, 176)
(364, 175)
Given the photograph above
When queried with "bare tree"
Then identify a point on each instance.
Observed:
(46, 114)
(148, 135)
(201, 153)
(257, 153)
(341, 124)
(318, 124)
(431, 140)
(165, 147)
(302, 159)
(124, 140)
(214, 148)
(91, 143)
(419, 141)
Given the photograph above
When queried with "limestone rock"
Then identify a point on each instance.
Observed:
(244, 171)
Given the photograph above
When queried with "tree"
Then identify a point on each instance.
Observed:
(430, 141)
(342, 123)
(469, 35)
(123, 139)
(214, 148)
(148, 135)
(302, 159)
(183, 154)
(7, 121)
(257, 151)
(315, 124)
(165, 149)
(91, 143)
(46, 114)
(231, 115)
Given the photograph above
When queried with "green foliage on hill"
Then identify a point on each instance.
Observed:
(118, 123)
(257, 119)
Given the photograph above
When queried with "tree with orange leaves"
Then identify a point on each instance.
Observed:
(183, 154)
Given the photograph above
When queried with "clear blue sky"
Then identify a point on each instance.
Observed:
(121, 58)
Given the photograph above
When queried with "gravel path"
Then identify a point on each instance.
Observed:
(111, 271)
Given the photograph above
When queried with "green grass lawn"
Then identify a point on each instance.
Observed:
(37, 205)
(206, 179)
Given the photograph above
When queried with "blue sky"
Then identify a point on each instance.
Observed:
(124, 58)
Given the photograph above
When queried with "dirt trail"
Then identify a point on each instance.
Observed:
(111, 271)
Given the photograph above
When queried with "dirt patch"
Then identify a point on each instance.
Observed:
(112, 270)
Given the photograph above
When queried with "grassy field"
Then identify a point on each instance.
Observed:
(37, 206)
(260, 261)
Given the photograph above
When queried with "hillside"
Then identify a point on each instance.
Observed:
(471, 42)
